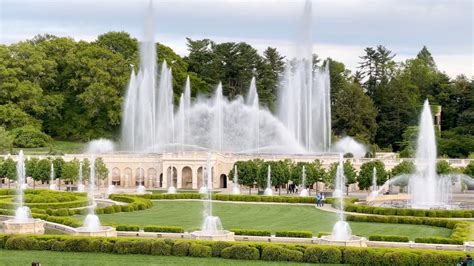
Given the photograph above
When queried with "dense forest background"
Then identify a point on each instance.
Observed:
(56, 88)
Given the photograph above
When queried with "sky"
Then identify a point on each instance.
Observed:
(340, 29)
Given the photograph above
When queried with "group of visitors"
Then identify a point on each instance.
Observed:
(320, 200)
(292, 188)
(466, 262)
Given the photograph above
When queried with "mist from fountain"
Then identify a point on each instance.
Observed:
(22, 213)
(100, 146)
(151, 125)
(341, 230)
(304, 191)
(52, 185)
(91, 222)
(80, 185)
(268, 191)
(236, 188)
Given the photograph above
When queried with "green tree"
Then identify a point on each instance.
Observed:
(42, 171)
(405, 167)
(366, 174)
(30, 166)
(9, 170)
(101, 170)
(119, 42)
(70, 171)
(349, 174)
(469, 170)
(5, 140)
(443, 167)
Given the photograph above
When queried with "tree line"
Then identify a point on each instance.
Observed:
(55, 87)
(254, 173)
(40, 169)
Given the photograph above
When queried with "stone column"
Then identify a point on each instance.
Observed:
(165, 176)
(179, 181)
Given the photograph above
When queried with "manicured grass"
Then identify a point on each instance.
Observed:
(57, 146)
(16, 257)
(270, 217)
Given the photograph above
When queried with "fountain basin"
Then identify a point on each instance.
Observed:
(31, 226)
(304, 193)
(353, 241)
(268, 192)
(222, 235)
(236, 191)
(107, 231)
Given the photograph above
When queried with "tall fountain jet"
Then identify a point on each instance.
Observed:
(52, 186)
(80, 186)
(304, 191)
(427, 189)
(304, 99)
(341, 230)
(236, 188)
(268, 191)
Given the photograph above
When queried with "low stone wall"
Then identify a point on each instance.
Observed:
(412, 245)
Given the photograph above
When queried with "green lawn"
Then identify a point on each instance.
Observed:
(271, 217)
(57, 146)
(46, 258)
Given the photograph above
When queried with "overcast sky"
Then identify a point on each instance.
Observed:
(341, 29)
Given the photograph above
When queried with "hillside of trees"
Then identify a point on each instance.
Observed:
(57, 88)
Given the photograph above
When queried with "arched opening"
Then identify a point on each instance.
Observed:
(116, 176)
(172, 176)
(199, 177)
(151, 176)
(187, 178)
(139, 177)
(223, 181)
(160, 182)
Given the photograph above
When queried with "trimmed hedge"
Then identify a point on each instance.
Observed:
(349, 207)
(461, 229)
(242, 197)
(301, 234)
(232, 250)
(124, 227)
(247, 232)
(277, 253)
(163, 229)
(439, 240)
(389, 238)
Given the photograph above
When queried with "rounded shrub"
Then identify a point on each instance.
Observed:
(21, 243)
(312, 254)
(197, 250)
(218, 246)
(123, 246)
(160, 247)
(240, 252)
(276, 253)
(109, 210)
(400, 258)
(180, 249)
(331, 255)
(358, 256)
(76, 245)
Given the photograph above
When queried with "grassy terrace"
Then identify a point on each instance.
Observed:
(270, 217)
(14, 258)
(56, 146)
